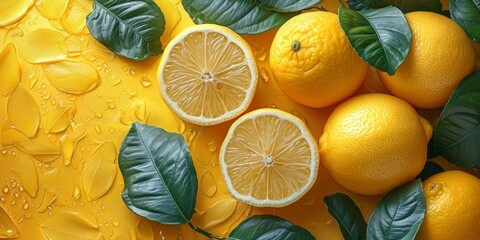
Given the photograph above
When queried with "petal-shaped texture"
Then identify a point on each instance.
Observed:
(72, 226)
(7, 227)
(218, 212)
(23, 112)
(72, 77)
(100, 171)
(13, 10)
(41, 46)
(10, 74)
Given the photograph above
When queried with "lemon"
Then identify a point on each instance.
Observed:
(374, 143)
(440, 57)
(313, 62)
(207, 74)
(268, 158)
(452, 207)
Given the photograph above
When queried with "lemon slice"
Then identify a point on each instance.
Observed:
(207, 74)
(269, 158)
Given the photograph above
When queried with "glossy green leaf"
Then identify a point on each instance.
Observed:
(242, 16)
(130, 28)
(404, 6)
(456, 135)
(467, 14)
(381, 37)
(348, 216)
(268, 227)
(429, 170)
(286, 5)
(160, 179)
(399, 214)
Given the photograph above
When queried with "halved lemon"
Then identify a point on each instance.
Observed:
(269, 158)
(207, 74)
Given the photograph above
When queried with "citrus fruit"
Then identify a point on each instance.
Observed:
(313, 62)
(268, 158)
(207, 74)
(440, 57)
(373, 143)
(452, 207)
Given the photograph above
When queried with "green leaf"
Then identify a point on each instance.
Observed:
(268, 227)
(381, 37)
(286, 5)
(242, 16)
(429, 170)
(348, 216)
(404, 6)
(467, 14)
(456, 135)
(160, 179)
(399, 214)
(130, 28)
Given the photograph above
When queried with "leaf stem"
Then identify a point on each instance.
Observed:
(205, 233)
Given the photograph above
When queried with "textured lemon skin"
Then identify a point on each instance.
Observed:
(453, 209)
(440, 57)
(374, 143)
(325, 69)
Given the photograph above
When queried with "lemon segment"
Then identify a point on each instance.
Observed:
(207, 74)
(269, 158)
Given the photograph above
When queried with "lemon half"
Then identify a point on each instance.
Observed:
(269, 158)
(207, 74)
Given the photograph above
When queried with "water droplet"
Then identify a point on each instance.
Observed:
(32, 79)
(140, 110)
(13, 183)
(98, 114)
(132, 71)
(273, 105)
(2, 198)
(76, 193)
(146, 82)
(111, 105)
(15, 194)
(103, 207)
(15, 32)
(259, 51)
(190, 135)
(115, 223)
(25, 206)
(13, 202)
(98, 129)
(212, 146)
(5, 189)
(46, 95)
(264, 75)
(181, 126)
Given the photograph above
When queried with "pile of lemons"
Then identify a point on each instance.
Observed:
(371, 143)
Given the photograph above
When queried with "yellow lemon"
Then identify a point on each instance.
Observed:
(440, 57)
(313, 61)
(373, 143)
(453, 208)
(207, 74)
(269, 158)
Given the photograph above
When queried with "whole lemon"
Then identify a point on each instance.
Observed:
(374, 143)
(313, 62)
(440, 57)
(453, 207)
